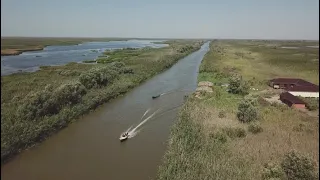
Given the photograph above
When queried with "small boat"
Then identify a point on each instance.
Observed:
(153, 97)
(124, 136)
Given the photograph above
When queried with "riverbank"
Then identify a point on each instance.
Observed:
(38, 104)
(11, 46)
(215, 138)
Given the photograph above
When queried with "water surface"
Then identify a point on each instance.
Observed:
(59, 55)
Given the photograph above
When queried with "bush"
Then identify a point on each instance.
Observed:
(297, 166)
(247, 111)
(279, 106)
(69, 93)
(48, 102)
(237, 85)
(222, 114)
(126, 70)
(312, 104)
(272, 171)
(220, 137)
(235, 132)
(118, 64)
(255, 128)
(97, 77)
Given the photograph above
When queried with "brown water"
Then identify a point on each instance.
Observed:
(90, 148)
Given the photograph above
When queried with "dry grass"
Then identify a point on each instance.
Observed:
(282, 132)
(284, 129)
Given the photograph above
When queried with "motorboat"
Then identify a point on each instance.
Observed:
(153, 97)
(124, 136)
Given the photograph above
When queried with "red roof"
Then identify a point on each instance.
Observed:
(285, 80)
(291, 98)
(299, 88)
(298, 82)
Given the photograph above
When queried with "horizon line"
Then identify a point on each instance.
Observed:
(86, 37)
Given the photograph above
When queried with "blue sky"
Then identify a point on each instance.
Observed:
(254, 19)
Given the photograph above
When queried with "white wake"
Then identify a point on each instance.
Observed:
(133, 132)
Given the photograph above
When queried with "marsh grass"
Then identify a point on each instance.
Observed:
(279, 129)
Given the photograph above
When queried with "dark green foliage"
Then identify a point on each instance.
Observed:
(186, 49)
(299, 167)
(247, 111)
(118, 64)
(219, 137)
(49, 102)
(255, 128)
(272, 171)
(312, 103)
(127, 70)
(89, 61)
(237, 85)
(235, 132)
(97, 77)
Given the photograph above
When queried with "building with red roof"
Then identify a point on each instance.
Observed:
(296, 87)
(292, 101)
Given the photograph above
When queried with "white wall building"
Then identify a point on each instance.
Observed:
(305, 94)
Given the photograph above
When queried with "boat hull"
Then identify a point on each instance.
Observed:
(153, 97)
(123, 138)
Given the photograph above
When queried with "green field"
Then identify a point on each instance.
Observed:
(209, 142)
(35, 105)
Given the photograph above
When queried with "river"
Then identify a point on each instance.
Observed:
(60, 55)
(90, 147)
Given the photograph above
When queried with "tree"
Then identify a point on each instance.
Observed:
(247, 111)
(237, 85)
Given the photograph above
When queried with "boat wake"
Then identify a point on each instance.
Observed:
(134, 131)
(176, 90)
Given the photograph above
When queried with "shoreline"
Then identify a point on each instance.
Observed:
(15, 52)
(38, 44)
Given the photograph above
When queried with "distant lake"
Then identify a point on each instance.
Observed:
(60, 55)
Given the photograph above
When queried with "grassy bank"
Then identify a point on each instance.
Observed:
(18, 45)
(210, 142)
(35, 105)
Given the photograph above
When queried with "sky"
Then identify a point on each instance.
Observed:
(232, 19)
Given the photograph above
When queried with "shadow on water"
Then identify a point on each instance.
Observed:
(90, 148)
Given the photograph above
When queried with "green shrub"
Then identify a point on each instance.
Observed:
(255, 128)
(97, 77)
(36, 104)
(126, 70)
(279, 106)
(69, 93)
(235, 132)
(118, 64)
(312, 104)
(48, 102)
(219, 136)
(247, 111)
(298, 167)
(237, 85)
(272, 171)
